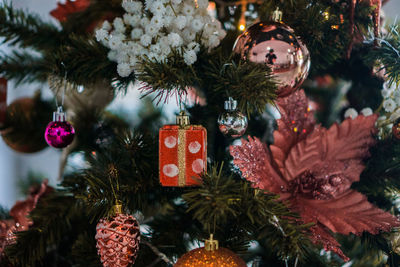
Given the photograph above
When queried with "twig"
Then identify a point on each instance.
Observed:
(160, 255)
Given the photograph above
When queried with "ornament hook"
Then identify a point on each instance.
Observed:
(182, 119)
(211, 244)
(117, 208)
(277, 15)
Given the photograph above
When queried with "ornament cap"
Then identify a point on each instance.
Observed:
(211, 244)
(182, 119)
(117, 208)
(60, 115)
(230, 104)
(277, 15)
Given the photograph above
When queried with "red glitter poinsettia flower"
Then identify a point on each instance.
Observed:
(20, 215)
(313, 168)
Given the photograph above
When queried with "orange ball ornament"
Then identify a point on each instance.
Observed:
(210, 256)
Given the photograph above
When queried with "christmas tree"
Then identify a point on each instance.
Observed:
(285, 150)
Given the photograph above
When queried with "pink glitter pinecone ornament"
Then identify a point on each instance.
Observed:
(118, 240)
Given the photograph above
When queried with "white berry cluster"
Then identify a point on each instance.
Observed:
(390, 108)
(391, 101)
(152, 31)
(352, 113)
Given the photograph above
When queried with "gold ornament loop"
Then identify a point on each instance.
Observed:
(211, 244)
(182, 119)
(117, 208)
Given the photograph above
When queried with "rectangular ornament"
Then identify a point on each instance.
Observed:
(182, 154)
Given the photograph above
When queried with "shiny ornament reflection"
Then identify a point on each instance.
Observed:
(276, 45)
(232, 122)
(59, 133)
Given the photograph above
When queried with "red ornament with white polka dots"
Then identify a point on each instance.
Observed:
(183, 153)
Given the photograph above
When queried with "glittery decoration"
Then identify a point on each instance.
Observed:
(7, 235)
(118, 240)
(313, 168)
(59, 134)
(19, 213)
(200, 257)
(183, 154)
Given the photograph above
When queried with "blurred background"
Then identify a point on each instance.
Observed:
(15, 167)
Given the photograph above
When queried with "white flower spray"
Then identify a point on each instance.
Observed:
(389, 109)
(151, 31)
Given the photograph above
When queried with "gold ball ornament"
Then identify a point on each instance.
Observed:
(26, 120)
(275, 45)
(210, 256)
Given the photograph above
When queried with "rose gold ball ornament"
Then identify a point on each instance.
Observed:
(118, 239)
(210, 256)
(275, 45)
(396, 129)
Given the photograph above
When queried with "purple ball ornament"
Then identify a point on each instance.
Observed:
(59, 133)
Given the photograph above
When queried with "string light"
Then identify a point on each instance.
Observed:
(325, 15)
(242, 21)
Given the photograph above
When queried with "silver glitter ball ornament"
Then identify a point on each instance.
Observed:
(232, 122)
(275, 44)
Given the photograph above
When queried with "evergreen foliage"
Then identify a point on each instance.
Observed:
(248, 221)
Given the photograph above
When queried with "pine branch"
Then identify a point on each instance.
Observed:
(388, 54)
(84, 250)
(168, 77)
(126, 170)
(381, 175)
(85, 61)
(24, 67)
(216, 75)
(54, 218)
(27, 30)
(250, 83)
(173, 229)
(236, 212)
